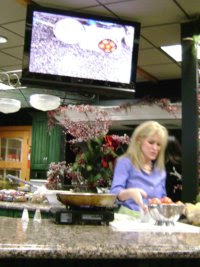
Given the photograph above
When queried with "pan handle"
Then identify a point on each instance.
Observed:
(14, 178)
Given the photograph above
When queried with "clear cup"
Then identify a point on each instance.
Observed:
(144, 216)
(25, 215)
(37, 216)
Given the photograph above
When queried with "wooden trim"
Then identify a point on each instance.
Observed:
(15, 128)
(147, 76)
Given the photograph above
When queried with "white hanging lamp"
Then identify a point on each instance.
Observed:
(44, 102)
(8, 105)
(5, 86)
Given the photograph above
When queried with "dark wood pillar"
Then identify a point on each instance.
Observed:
(190, 144)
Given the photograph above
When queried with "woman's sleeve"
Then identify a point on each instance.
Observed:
(121, 175)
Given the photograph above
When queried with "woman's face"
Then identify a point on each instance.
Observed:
(150, 147)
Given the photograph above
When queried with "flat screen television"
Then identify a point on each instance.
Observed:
(73, 50)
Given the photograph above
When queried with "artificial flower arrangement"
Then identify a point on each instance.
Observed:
(95, 161)
(93, 166)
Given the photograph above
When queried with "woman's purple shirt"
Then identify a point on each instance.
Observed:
(127, 176)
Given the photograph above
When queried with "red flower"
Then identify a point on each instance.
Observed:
(104, 163)
(111, 142)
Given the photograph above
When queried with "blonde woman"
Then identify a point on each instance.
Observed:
(140, 173)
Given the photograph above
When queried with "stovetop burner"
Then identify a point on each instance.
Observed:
(83, 215)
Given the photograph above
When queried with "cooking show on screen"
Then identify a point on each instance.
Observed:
(81, 48)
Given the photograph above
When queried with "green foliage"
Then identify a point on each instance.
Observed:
(93, 166)
(95, 162)
(89, 164)
(198, 198)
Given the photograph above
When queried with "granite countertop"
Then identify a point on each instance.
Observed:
(47, 240)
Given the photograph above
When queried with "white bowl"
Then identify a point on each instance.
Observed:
(51, 196)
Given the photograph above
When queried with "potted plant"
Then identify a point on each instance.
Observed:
(93, 166)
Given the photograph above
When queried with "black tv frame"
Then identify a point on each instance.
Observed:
(75, 84)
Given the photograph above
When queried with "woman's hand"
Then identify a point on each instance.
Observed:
(136, 194)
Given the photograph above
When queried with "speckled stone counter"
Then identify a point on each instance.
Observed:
(58, 245)
(49, 240)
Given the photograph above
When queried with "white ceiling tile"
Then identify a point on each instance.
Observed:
(148, 12)
(98, 10)
(164, 72)
(7, 60)
(143, 44)
(11, 11)
(13, 39)
(192, 7)
(17, 27)
(16, 51)
(163, 35)
(110, 1)
(69, 4)
(152, 56)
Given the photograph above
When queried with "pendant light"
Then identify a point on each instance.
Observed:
(44, 102)
(8, 105)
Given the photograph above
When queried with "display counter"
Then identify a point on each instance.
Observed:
(97, 245)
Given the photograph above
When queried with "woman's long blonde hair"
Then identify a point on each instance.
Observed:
(141, 132)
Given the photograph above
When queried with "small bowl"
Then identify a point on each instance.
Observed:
(166, 214)
(51, 196)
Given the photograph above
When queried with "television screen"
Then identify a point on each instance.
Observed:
(79, 49)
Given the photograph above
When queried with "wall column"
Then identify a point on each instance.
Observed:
(190, 120)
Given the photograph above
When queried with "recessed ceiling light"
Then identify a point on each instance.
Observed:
(3, 40)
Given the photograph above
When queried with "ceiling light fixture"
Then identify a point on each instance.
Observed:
(8, 105)
(3, 39)
(44, 102)
(4, 86)
(175, 51)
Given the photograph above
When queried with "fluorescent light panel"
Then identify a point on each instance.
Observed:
(175, 51)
